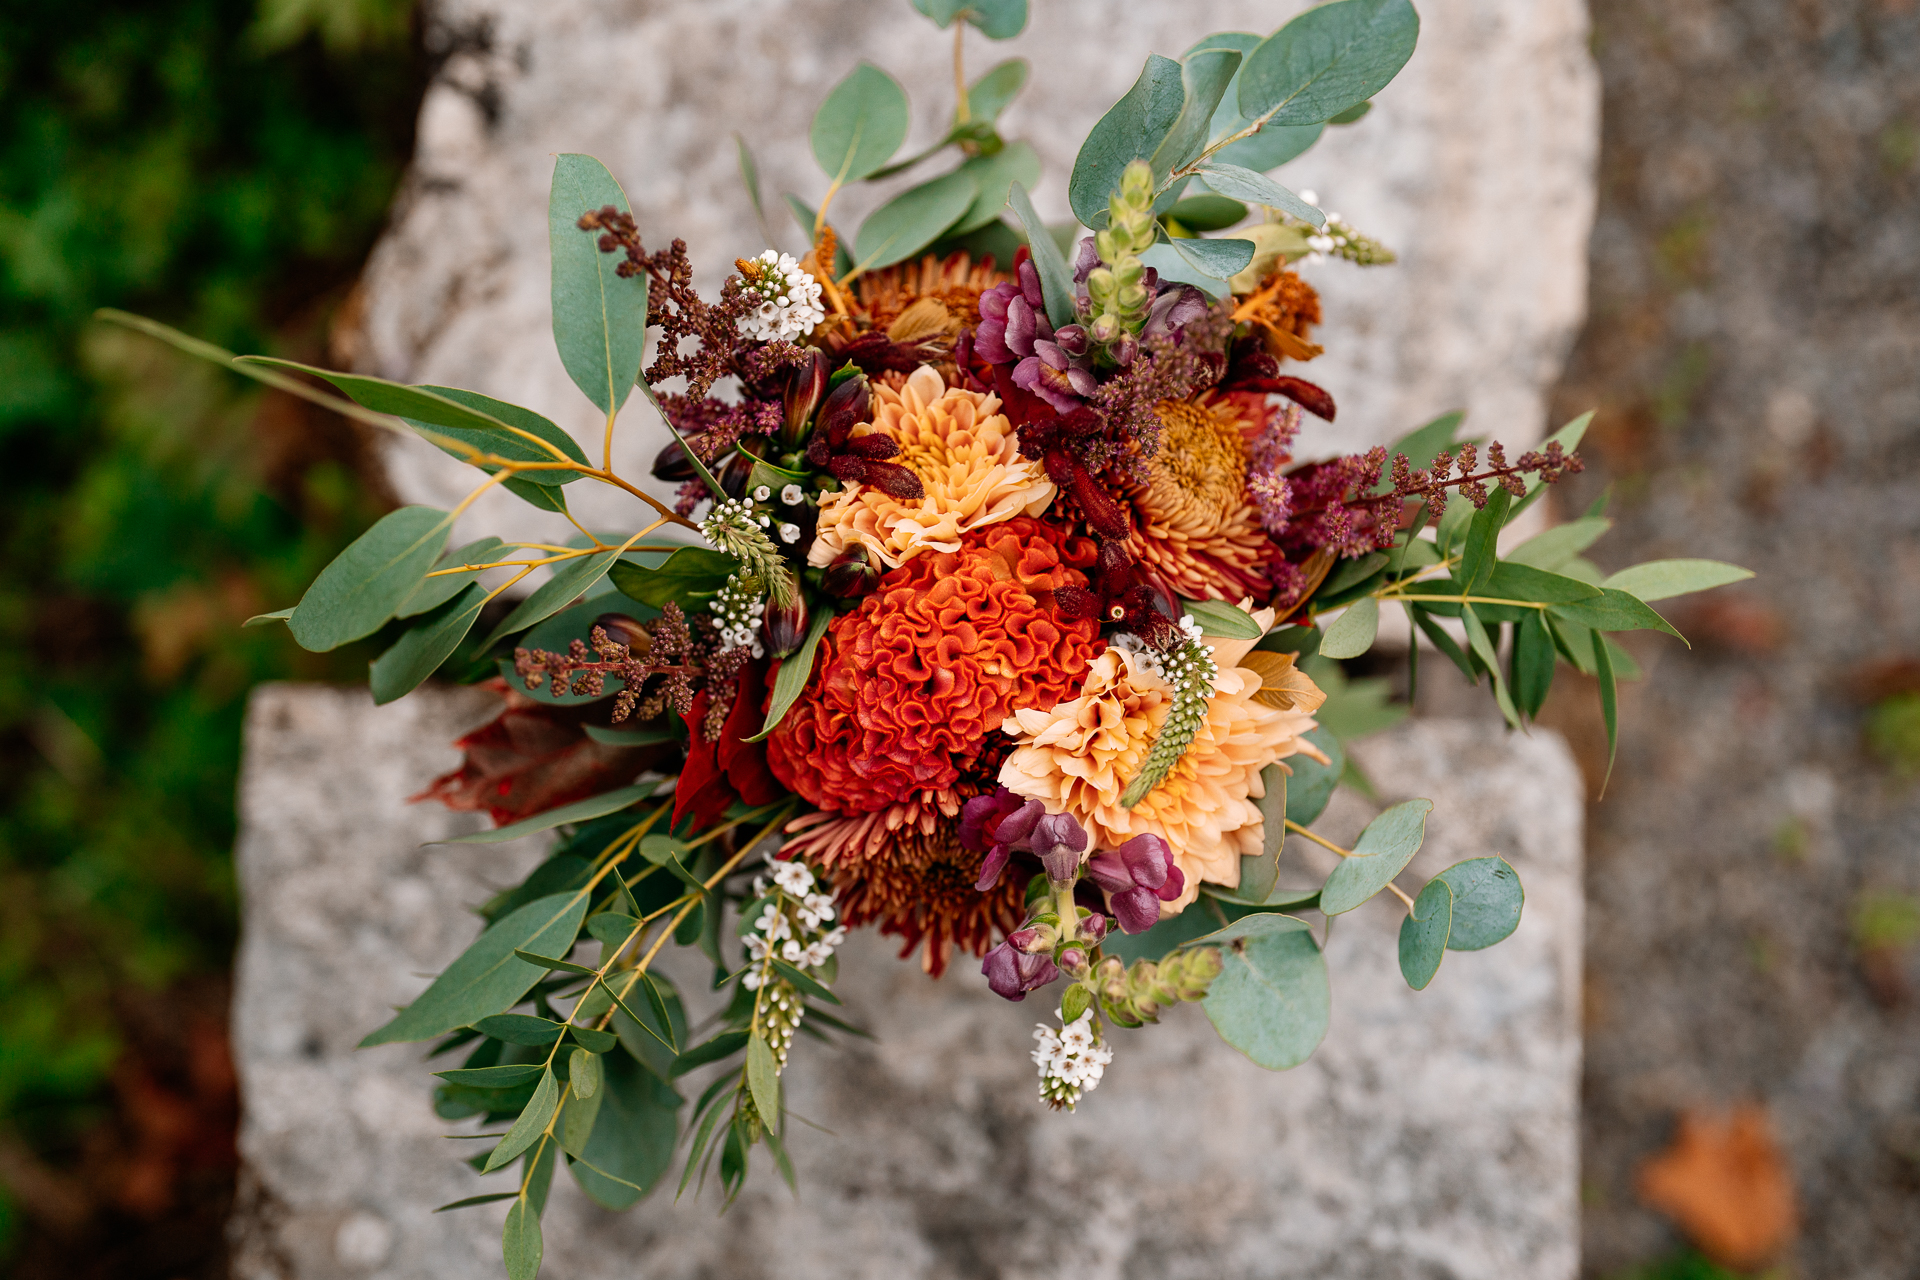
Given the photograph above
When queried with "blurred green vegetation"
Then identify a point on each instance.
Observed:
(223, 165)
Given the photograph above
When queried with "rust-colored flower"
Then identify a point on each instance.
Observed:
(1078, 757)
(909, 685)
(909, 314)
(1284, 309)
(919, 886)
(1193, 524)
(968, 462)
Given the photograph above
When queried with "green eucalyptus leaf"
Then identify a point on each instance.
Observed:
(570, 580)
(1226, 621)
(1487, 899)
(488, 978)
(470, 1201)
(1258, 873)
(1207, 213)
(1483, 648)
(750, 179)
(592, 1040)
(434, 592)
(1214, 259)
(356, 594)
(1312, 783)
(1663, 579)
(988, 96)
(579, 811)
(1204, 78)
(1609, 697)
(724, 1045)
(428, 643)
(1510, 580)
(578, 1116)
(1352, 633)
(509, 443)
(1271, 1000)
(599, 319)
(690, 577)
(914, 219)
(805, 984)
(631, 1146)
(994, 176)
(1352, 115)
(1273, 145)
(1615, 610)
(1327, 60)
(1478, 556)
(996, 19)
(520, 1028)
(1532, 663)
(531, 1124)
(1258, 188)
(763, 1079)
(1132, 129)
(1423, 934)
(262, 619)
(1382, 852)
(860, 125)
(494, 1077)
(1056, 281)
(583, 1073)
(520, 1244)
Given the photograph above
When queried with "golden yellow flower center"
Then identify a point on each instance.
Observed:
(1201, 468)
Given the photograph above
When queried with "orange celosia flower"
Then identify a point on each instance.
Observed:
(967, 457)
(1078, 757)
(1193, 524)
(909, 685)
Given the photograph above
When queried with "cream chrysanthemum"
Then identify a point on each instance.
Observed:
(968, 460)
(1078, 757)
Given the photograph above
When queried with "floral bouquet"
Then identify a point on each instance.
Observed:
(993, 611)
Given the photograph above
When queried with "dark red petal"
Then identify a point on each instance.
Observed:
(1303, 393)
(894, 481)
(874, 446)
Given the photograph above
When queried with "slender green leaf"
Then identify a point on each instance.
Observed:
(579, 811)
(629, 737)
(262, 619)
(1423, 934)
(428, 643)
(805, 984)
(520, 1028)
(1352, 633)
(509, 444)
(552, 964)
(578, 1116)
(1483, 648)
(1609, 698)
(860, 125)
(1327, 60)
(1511, 581)
(599, 319)
(1056, 281)
(1382, 852)
(356, 594)
(1532, 663)
(1271, 1000)
(1204, 79)
(791, 680)
(1207, 213)
(914, 219)
(594, 1041)
(494, 1077)
(750, 179)
(1615, 610)
(1478, 557)
(488, 978)
(691, 576)
(520, 1242)
(1557, 545)
(763, 1079)
(1258, 188)
(470, 1201)
(1663, 579)
(1273, 145)
(531, 1124)
(1487, 899)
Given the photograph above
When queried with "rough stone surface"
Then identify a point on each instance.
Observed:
(1476, 165)
(1433, 1134)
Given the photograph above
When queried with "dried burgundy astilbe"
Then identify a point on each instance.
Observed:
(1329, 504)
(662, 648)
(1170, 366)
(1428, 484)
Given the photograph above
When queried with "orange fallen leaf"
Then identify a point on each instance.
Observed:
(1724, 1182)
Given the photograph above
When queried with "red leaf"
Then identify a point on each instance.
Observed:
(1303, 393)
(718, 773)
(530, 758)
(1724, 1181)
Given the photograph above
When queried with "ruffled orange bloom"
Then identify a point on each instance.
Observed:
(909, 685)
(1193, 525)
(1078, 757)
(968, 460)
(903, 866)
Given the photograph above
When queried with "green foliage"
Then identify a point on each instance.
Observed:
(1382, 852)
(599, 319)
(1487, 899)
(1327, 60)
(1893, 731)
(914, 219)
(1271, 1000)
(860, 125)
(1423, 934)
(996, 19)
(157, 157)
(1312, 783)
(1056, 281)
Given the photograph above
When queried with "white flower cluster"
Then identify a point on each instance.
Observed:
(1192, 657)
(1071, 1060)
(797, 922)
(1339, 239)
(738, 610)
(790, 303)
(792, 496)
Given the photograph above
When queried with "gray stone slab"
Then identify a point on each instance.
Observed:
(1477, 166)
(1433, 1134)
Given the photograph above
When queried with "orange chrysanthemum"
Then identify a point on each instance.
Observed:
(1078, 757)
(906, 315)
(904, 868)
(967, 457)
(909, 685)
(1193, 525)
(1284, 308)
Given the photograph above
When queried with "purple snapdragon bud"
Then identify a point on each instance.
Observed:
(1059, 841)
(1011, 973)
(1172, 310)
(1072, 339)
(1035, 939)
(1094, 927)
(1085, 260)
(999, 823)
(1137, 878)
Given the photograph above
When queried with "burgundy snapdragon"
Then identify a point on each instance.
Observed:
(1012, 972)
(1001, 824)
(1014, 327)
(1138, 877)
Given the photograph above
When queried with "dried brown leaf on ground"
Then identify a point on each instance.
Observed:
(1725, 1183)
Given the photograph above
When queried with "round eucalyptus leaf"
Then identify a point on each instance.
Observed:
(1271, 1000)
(1487, 898)
(1423, 934)
(1312, 783)
(1382, 852)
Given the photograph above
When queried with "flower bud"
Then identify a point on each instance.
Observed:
(673, 463)
(1012, 973)
(806, 386)
(1125, 348)
(1072, 339)
(1197, 971)
(1059, 841)
(851, 576)
(785, 625)
(1072, 959)
(1035, 938)
(846, 406)
(733, 475)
